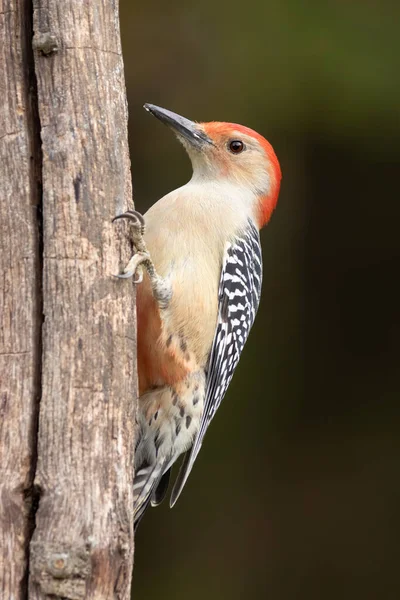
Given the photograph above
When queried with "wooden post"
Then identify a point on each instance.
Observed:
(69, 325)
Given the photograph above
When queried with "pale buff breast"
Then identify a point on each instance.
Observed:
(186, 232)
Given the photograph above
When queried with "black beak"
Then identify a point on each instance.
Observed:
(189, 130)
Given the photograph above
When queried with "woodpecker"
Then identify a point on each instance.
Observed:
(199, 265)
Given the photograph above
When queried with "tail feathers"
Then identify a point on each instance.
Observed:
(162, 488)
(146, 481)
(180, 481)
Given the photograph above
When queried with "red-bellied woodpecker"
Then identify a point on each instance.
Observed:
(200, 250)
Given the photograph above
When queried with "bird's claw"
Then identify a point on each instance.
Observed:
(134, 266)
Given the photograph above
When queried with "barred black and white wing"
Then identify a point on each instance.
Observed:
(239, 297)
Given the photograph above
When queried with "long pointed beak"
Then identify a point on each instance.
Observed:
(191, 131)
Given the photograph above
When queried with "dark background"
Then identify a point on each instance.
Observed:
(295, 494)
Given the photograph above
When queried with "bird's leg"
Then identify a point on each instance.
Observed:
(161, 288)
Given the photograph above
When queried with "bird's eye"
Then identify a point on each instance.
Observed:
(236, 146)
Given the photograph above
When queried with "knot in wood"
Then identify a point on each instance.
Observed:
(60, 571)
(46, 43)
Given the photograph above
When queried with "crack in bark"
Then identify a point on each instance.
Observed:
(94, 49)
(9, 133)
(32, 493)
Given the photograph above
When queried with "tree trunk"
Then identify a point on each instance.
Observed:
(68, 353)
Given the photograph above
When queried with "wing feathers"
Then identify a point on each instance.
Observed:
(239, 297)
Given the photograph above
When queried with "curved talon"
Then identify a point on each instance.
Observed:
(129, 274)
(139, 278)
(135, 216)
(123, 275)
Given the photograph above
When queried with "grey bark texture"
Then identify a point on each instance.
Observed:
(68, 340)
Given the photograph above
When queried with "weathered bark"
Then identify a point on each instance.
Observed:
(20, 303)
(82, 361)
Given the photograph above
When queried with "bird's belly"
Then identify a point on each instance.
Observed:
(178, 340)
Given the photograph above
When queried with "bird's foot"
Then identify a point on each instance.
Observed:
(138, 260)
(141, 259)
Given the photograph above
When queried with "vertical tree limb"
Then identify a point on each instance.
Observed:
(83, 542)
(83, 360)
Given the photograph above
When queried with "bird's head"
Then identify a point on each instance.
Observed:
(229, 153)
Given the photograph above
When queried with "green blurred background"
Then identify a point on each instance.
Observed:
(295, 494)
